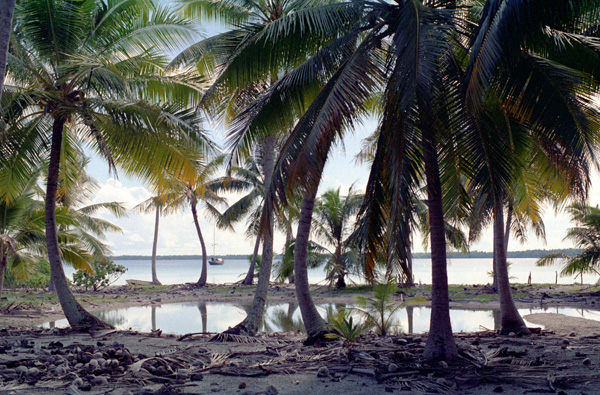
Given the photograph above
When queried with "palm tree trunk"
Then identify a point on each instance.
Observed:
(289, 235)
(313, 322)
(511, 319)
(154, 247)
(3, 264)
(249, 326)
(341, 281)
(440, 342)
(506, 238)
(7, 7)
(202, 280)
(77, 316)
(250, 275)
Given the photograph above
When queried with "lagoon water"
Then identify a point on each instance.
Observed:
(188, 317)
(460, 271)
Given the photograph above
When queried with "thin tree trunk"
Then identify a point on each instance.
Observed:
(7, 8)
(202, 280)
(155, 246)
(313, 322)
(3, 264)
(289, 235)
(250, 325)
(511, 319)
(250, 275)
(341, 280)
(77, 316)
(440, 342)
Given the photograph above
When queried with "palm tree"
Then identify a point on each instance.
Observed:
(540, 91)
(332, 219)
(247, 78)
(585, 235)
(90, 68)
(159, 205)
(7, 7)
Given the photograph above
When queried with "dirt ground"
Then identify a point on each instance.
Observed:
(564, 358)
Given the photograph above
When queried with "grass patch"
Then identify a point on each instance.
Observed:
(416, 300)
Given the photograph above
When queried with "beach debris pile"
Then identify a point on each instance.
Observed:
(57, 359)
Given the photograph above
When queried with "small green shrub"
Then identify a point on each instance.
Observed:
(105, 273)
(378, 310)
(342, 323)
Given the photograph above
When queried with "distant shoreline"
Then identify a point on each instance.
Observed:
(418, 255)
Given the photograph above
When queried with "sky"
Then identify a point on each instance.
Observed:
(177, 235)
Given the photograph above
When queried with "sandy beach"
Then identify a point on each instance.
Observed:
(563, 358)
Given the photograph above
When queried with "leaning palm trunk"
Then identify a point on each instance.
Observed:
(7, 8)
(77, 316)
(250, 275)
(440, 342)
(154, 247)
(249, 326)
(202, 280)
(313, 322)
(3, 264)
(511, 320)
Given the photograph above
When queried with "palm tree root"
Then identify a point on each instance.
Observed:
(318, 337)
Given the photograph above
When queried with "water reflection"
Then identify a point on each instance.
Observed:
(211, 317)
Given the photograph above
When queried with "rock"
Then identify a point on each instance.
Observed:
(512, 334)
(21, 369)
(443, 364)
(498, 389)
(587, 361)
(97, 355)
(33, 372)
(101, 361)
(271, 390)
(77, 383)
(100, 380)
(572, 334)
(401, 341)
(197, 377)
(392, 367)
(442, 381)
(93, 364)
(565, 342)
(323, 372)
(242, 385)
(202, 350)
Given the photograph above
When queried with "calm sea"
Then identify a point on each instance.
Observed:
(460, 271)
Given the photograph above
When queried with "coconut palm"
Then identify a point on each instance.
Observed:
(91, 68)
(247, 78)
(539, 90)
(204, 188)
(585, 235)
(333, 222)
(7, 7)
(159, 205)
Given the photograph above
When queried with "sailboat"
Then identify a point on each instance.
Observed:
(213, 259)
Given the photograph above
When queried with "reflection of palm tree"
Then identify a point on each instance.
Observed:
(153, 317)
(497, 315)
(203, 315)
(409, 315)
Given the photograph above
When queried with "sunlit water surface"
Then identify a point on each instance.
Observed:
(460, 271)
(188, 317)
